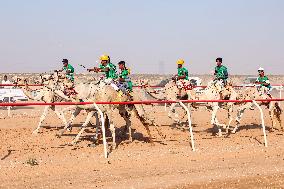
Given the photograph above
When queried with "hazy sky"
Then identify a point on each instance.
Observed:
(150, 35)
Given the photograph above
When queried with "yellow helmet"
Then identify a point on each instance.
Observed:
(180, 61)
(104, 57)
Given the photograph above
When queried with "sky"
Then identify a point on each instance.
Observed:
(150, 35)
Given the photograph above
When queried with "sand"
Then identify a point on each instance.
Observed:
(234, 161)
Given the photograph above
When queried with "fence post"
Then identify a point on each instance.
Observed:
(9, 107)
(262, 122)
(189, 124)
(103, 130)
(280, 95)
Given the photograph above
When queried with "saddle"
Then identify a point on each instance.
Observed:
(186, 85)
(70, 92)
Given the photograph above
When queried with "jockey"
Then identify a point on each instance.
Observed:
(68, 69)
(109, 70)
(263, 81)
(181, 77)
(221, 72)
(69, 84)
(124, 81)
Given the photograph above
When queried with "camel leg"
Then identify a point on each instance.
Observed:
(140, 112)
(112, 126)
(214, 120)
(74, 115)
(59, 114)
(272, 116)
(112, 130)
(126, 116)
(240, 114)
(97, 125)
(173, 110)
(42, 118)
(230, 117)
(277, 115)
(87, 121)
(149, 134)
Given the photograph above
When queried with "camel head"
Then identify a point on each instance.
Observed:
(144, 83)
(20, 80)
(45, 78)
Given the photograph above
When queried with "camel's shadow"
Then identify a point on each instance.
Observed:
(121, 136)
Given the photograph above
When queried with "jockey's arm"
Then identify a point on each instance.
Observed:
(61, 70)
(96, 69)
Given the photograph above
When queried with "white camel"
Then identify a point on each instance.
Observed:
(254, 93)
(45, 94)
(211, 92)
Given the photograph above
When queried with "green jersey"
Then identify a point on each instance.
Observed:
(70, 74)
(183, 71)
(111, 73)
(221, 72)
(124, 75)
(263, 80)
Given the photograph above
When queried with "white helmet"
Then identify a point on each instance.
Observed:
(260, 69)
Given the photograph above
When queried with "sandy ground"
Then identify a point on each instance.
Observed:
(234, 161)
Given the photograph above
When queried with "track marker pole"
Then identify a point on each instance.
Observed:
(103, 130)
(280, 94)
(189, 124)
(262, 122)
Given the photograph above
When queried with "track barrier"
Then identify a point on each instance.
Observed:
(181, 102)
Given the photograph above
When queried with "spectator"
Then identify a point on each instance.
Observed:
(6, 81)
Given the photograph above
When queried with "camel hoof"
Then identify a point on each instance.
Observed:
(58, 135)
(74, 142)
(219, 134)
(113, 147)
(35, 132)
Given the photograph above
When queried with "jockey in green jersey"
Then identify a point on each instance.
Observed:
(124, 81)
(221, 72)
(68, 69)
(263, 81)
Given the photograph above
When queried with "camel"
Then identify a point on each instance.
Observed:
(51, 83)
(106, 93)
(211, 92)
(44, 94)
(254, 93)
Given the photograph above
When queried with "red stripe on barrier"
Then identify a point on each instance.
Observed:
(15, 85)
(131, 102)
(201, 86)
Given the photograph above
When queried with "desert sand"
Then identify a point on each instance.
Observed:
(233, 161)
